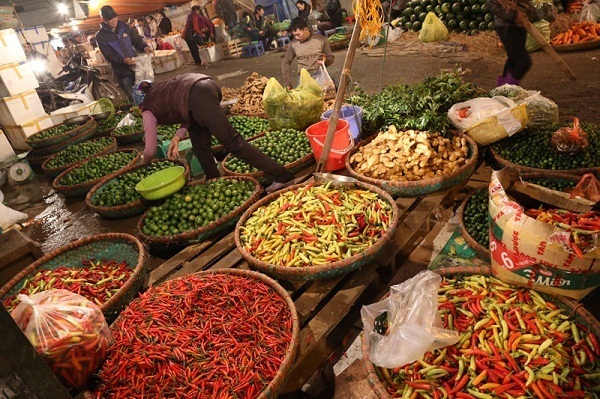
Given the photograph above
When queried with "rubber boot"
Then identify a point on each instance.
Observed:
(511, 80)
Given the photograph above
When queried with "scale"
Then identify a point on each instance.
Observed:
(17, 168)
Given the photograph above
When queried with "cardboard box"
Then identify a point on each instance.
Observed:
(532, 253)
(10, 47)
(16, 78)
(6, 150)
(21, 108)
(165, 61)
(19, 133)
(33, 34)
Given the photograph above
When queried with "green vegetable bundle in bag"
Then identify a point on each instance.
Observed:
(543, 27)
(433, 29)
(293, 109)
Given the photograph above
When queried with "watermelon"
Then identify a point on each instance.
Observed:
(466, 9)
(491, 26)
(489, 17)
(414, 18)
(418, 9)
(416, 26)
(438, 10)
(408, 11)
(483, 26)
(448, 16)
(464, 25)
(473, 25)
(452, 24)
(408, 25)
(461, 17)
(429, 8)
(422, 16)
(456, 8)
(475, 8)
(484, 9)
(446, 7)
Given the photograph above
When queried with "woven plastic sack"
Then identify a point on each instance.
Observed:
(543, 27)
(67, 330)
(414, 324)
(433, 29)
(294, 109)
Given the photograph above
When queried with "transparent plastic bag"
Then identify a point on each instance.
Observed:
(433, 29)
(414, 324)
(326, 83)
(590, 12)
(570, 140)
(294, 109)
(143, 68)
(68, 331)
(541, 26)
(588, 187)
(467, 114)
(541, 111)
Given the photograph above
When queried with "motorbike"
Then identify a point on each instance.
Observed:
(77, 83)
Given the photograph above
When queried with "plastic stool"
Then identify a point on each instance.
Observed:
(329, 32)
(340, 29)
(282, 41)
(252, 50)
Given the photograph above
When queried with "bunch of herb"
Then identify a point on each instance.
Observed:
(423, 106)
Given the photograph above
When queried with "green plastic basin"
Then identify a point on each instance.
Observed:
(162, 184)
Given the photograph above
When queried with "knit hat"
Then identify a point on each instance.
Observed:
(107, 13)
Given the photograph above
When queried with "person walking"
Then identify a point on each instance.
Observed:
(197, 31)
(194, 101)
(307, 48)
(118, 44)
(510, 29)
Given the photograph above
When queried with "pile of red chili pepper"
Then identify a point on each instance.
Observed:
(97, 281)
(513, 343)
(68, 331)
(207, 335)
(584, 227)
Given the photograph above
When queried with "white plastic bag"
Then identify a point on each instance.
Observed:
(9, 216)
(467, 114)
(590, 12)
(415, 325)
(393, 33)
(128, 120)
(541, 111)
(325, 81)
(143, 68)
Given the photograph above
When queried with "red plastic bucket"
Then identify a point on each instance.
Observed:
(341, 145)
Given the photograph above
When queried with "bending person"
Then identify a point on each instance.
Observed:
(194, 101)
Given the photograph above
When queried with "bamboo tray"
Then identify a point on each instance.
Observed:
(576, 47)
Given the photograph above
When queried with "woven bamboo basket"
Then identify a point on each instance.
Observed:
(36, 159)
(527, 169)
(339, 44)
(577, 46)
(79, 190)
(126, 210)
(580, 314)
(54, 172)
(124, 139)
(262, 177)
(273, 389)
(111, 246)
(329, 270)
(261, 114)
(420, 187)
(204, 233)
(34, 143)
(479, 249)
(489, 130)
(82, 135)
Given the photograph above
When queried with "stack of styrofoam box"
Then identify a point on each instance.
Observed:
(38, 37)
(179, 15)
(21, 111)
(165, 61)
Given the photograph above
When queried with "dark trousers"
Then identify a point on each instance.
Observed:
(518, 60)
(194, 50)
(208, 119)
(126, 83)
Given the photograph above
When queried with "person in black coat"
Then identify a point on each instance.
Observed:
(334, 11)
(164, 24)
(303, 9)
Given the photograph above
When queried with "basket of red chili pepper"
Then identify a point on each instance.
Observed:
(313, 231)
(514, 342)
(226, 333)
(107, 269)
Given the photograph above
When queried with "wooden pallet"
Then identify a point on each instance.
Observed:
(327, 309)
(233, 48)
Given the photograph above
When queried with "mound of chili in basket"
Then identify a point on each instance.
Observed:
(513, 343)
(97, 281)
(199, 336)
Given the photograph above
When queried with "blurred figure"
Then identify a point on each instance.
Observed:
(198, 30)
(332, 18)
(164, 24)
(162, 44)
(303, 9)
(259, 27)
(152, 26)
(226, 9)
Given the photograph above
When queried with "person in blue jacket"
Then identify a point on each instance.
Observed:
(118, 44)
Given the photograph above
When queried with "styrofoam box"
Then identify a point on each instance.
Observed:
(165, 61)
(6, 150)
(211, 54)
(178, 22)
(21, 108)
(16, 78)
(10, 47)
(17, 134)
(33, 34)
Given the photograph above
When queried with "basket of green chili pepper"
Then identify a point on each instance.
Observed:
(226, 333)
(514, 342)
(107, 269)
(312, 231)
